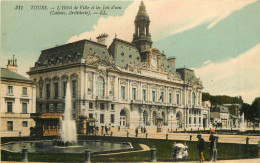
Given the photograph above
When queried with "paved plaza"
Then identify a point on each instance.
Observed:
(238, 139)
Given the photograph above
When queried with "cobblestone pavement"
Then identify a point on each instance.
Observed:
(239, 139)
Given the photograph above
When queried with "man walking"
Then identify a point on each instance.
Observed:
(201, 147)
(211, 145)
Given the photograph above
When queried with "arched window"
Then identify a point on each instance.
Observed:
(100, 86)
(193, 99)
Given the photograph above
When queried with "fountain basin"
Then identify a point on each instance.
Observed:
(46, 146)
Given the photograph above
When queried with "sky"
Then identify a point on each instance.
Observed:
(219, 39)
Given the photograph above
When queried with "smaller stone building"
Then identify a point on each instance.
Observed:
(220, 116)
(206, 113)
(17, 101)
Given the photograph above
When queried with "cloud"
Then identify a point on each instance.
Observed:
(238, 76)
(207, 62)
(167, 18)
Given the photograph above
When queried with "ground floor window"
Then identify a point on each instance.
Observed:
(112, 119)
(9, 125)
(101, 118)
(90, 115)
(25, 124)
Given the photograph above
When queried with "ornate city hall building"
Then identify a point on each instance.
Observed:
(127, 84)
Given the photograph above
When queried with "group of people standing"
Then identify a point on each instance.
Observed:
(143, 130)
(180, 151)
(212, 148)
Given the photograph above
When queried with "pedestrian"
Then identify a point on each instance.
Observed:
(201, 147)
(106, 129)
(179, 151)
(136, 132)
(102, 130)
(118, 128)
(211, 145)
(144, 130)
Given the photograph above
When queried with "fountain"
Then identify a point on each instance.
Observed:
(242, 127)
(68, 128)
(68, 142)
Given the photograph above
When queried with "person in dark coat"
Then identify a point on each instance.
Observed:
(211, 145)
(106, 129)
(136, 132)
(201, 147)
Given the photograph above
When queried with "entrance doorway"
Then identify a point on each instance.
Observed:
(145, 117)
(123, 118)
(179, 119)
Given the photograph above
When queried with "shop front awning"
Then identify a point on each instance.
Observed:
(46, 115)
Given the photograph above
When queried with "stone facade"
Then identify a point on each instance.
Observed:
(17, 101)
(123, 85)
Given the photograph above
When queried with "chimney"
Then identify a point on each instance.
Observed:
(12, 64)
(172, 61)
(102, 38)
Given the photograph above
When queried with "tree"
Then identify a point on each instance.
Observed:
(247, 111)
(255, 109)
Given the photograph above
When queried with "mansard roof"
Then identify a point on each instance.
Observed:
(81, 48)
(124, 53)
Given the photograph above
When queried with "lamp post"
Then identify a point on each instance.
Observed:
(171, 123)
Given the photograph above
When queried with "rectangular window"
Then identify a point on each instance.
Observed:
(40, 108)
(9, 107)
(74, 106)
(153, 96)
(112, 106)
(24, 109)
(189, 120)
(199, 120)
(56, 90)
(9, 125)
(112, 119)
(55, 109)
(40, 92)
(101, 118)
(144, 94)
(63, 107)
(10, 90)
(123, 92)
(102, 106)
(25, 91)
(162, 96)
(134, 93)
(178, 99)
(48, 93)
(90, 115)
(64, 88)
(47, 108)
(90, 105)
(170, 98)
(24, 123)
(74, 88)
(195, 120)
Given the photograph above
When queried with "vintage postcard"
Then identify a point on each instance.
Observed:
(130, 81)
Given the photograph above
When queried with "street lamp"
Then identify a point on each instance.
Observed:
(171, 123)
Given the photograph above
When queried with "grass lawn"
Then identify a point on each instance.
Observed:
(225, 151)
